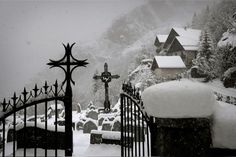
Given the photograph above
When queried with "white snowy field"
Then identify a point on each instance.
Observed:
(82, 148)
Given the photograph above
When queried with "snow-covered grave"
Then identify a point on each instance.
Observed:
(81, 144)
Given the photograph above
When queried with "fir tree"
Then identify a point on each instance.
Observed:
(206, 59)
(195, 21)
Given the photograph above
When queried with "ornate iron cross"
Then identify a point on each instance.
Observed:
(68, 64)
(68, 60)
(106, 77)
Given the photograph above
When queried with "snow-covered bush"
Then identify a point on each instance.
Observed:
(142, 76)
(226, 58)
(229, 77)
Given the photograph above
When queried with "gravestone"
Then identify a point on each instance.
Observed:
(106, 125)
(39, 140)
(60, 122)
(111, 118)
(90, 125)
(78, 108)
(100, 121)
(10, 135)
(96, 137)
(93, 114)
(80, 125)
(91, 106)
(116, 124)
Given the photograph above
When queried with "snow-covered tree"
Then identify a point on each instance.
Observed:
(206, 59)
(199, 20)
(226, 47)
(226, 58)
(215, 18)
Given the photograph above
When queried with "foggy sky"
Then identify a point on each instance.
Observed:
(31, 32)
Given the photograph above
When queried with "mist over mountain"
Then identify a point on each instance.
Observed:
(123, 44)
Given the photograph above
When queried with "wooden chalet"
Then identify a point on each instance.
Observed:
(185, 47)
(159, 42)
(167, 66)
(183, 42)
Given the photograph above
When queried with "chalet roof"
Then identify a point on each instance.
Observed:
(188, 43)
(162, 38)
(169, 62)
(188, 32)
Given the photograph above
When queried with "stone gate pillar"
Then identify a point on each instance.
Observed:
(182, 113)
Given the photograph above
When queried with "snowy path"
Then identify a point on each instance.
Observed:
(82, 147)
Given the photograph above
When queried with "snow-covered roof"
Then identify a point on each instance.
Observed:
(169, 62)
(162, 38)
(188, 43)
(179, 99)
(188, 32)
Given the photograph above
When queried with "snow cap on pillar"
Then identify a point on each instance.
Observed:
(179, 99)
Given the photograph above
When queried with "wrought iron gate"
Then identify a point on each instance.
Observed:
(135, 124)
(20, 131)
(26, 134)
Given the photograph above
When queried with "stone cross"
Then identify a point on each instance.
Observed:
(106, 77)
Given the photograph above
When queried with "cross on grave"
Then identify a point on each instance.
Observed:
(106, 77)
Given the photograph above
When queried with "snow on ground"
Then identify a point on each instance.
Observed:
(179, 99)
(224, 126)
(102, 150)
(82, 148)
(217, 86)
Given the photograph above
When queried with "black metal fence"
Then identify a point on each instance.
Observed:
(21, 131)
(135, 129)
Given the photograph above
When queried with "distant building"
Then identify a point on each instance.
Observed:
(167, 66)
(183, 42)
(159, 42)
(185, 47)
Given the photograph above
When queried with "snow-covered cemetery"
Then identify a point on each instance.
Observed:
(154, 78)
